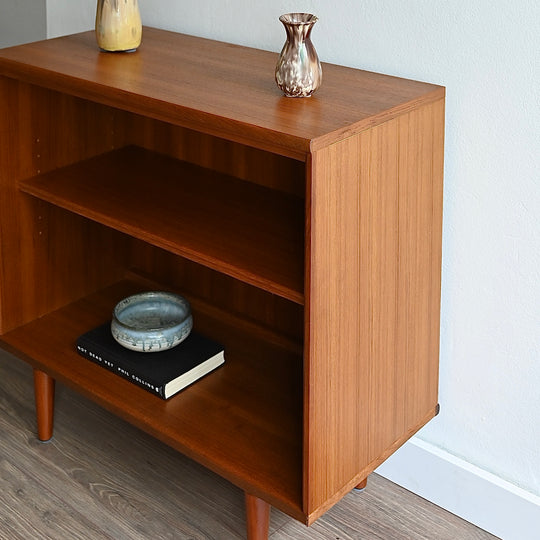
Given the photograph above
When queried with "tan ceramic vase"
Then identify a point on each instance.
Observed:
(118, 25)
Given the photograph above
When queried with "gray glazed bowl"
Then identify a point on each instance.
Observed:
(151, 321)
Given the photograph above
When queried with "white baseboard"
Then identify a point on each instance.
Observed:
(497, 506)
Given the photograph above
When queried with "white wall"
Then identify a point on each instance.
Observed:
(21, 21)
(69, 16)
(487, 55)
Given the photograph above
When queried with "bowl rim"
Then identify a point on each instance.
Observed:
(172, 298)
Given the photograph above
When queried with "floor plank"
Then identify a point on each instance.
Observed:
(100, 478)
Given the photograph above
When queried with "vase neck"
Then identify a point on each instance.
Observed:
(298, 33)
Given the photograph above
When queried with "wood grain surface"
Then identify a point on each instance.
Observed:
(244, 230)
(204, 85)
(373, 284)
(101, 478)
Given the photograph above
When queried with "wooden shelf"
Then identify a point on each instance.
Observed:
(247, 231)
(244, 420)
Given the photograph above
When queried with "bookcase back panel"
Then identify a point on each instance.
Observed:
(225, 156)
(231, 295)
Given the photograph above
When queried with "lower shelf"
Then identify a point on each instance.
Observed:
(243, 421)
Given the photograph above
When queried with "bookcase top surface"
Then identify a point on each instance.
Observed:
(219, 88)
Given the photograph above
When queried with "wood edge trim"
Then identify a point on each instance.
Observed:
(307, 432)
(377, 119)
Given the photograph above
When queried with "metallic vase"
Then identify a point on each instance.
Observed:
(118, 25)
(298, 71)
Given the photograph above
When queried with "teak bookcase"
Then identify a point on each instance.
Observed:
(305, 232)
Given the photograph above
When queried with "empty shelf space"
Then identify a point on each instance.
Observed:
(250, 232)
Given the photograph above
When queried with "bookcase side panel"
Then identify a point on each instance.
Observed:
(44, 249)
(372, 303)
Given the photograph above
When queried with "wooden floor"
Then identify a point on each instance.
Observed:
(100, 478)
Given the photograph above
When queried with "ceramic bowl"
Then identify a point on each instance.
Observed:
(151, 321)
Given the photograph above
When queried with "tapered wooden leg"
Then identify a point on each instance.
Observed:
(44, 396)
(257, 518)
(362, 485)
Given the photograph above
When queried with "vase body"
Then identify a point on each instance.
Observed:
(118, 25)
(298, 71)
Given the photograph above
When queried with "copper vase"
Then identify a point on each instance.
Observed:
(298, 71)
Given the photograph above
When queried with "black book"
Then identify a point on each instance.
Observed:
(163, 373)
